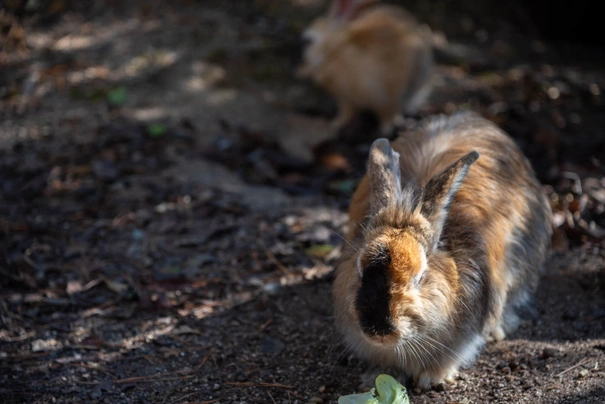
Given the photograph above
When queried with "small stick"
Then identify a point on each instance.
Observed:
(265, 325)
(201, 365)
(275, 261)
(182, 398)
(283, 386)
(261, 384)
(583, 361)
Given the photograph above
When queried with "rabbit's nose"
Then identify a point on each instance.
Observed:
(378, 327)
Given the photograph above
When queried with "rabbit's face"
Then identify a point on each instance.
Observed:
(387, 302)
(316, 42)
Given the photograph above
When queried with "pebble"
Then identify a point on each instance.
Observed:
(548, 353)
(583, 373)
(316, 400)
(271, 345)
(321, 389)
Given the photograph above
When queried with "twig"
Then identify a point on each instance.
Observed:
(159, 377)
(31, 262)
(12, 315)
(260, 384)
(142, 379)
(201, 365)
(265, 324)
(272, 399)
(582, 362)
(182, 398)
(19, 338)
(281, 386)
(181, 340)
(274, 260)
(139, 379)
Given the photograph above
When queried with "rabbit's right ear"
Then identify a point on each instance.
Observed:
(347, 9)
(440, 191)
(384, 174)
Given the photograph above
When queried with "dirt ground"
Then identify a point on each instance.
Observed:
(173, 200)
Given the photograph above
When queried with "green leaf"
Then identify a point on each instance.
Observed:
(387, 391)
(390, 391)
(117, 96)
(364, 398)
(156, 130)
(319, 250)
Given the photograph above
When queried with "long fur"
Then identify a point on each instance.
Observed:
(451, 285)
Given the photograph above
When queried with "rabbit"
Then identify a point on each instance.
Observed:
(369, 56)
(449, 231)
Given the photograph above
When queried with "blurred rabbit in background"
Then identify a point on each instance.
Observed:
(369, 56)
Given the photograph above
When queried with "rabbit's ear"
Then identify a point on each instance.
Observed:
(347, 9)
(440, 191)
(384, 174)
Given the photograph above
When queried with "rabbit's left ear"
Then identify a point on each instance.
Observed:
(347, 9)
(384, 174)
(440, 191)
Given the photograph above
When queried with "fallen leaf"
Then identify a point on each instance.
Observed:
(117, 96)
(319, 250)
(116, 286)
(156, 130)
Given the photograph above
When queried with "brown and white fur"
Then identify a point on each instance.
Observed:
(369, 56)
(449, 230)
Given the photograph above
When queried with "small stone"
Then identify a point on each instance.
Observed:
(271, 345)
(513, 364)
(322, 389)
(105, 170)
(583, 373)
(506, 370)
(548, 353)
(569, 315)
(316, 400)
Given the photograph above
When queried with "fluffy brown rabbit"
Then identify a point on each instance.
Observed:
(369, 56)
(449, 231)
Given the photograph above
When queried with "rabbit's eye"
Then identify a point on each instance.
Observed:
(305, 41)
